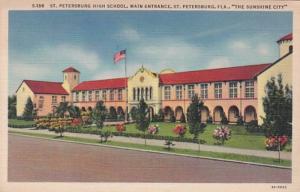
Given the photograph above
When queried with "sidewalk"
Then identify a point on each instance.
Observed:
(179, 145)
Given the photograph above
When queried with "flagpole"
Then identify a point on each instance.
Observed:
(126, 98)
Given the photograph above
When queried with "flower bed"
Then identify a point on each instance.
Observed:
(221, 134)
(153, 129)
(180, 130)
(272, 143)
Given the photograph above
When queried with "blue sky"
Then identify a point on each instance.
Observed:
(43, 43)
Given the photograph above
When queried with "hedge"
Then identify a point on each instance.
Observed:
(20, 126)
(137, 135)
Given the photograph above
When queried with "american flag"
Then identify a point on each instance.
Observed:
(119, 56)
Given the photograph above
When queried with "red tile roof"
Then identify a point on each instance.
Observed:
(71, 69)
(286, 37)
(101, 84)
(213, 75)
(45, 87)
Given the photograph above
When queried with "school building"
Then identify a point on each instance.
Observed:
(235, 91)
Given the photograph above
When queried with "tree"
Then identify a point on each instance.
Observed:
(28, 110)
(160, 115)
(278, 108)
(194, 118)
(98, 115)
(142, 120)
(74, 111)
(62, 109)
(133, 113)
(113, 113)
(12, 112)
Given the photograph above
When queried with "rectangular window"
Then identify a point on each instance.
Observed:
(178, 92)
(54, 99)
(233, 90)
(104, 95)
(63, 98)
(90, 95)
(191, 91)
(204, 90)
(218, 90)
(120, 95)
(167, 92)
(41, 102)
(111, 95)
(83, 95)
(77, 96)
(249, 89)
(97, 96)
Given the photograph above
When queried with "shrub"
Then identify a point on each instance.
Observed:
(221, 134)
(273, 141)
(180, 130)
(153, 129)
(252, 126)
(209, 120)
(182, 118)
(120, 127)
(240, 120)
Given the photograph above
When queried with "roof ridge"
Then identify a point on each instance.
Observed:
(217, 68)
(105, 79)
(42, 81)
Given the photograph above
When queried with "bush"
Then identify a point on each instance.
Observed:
(182, 118)
(221, 134)
(153, 129)
(273, 141)
(209, 120)
(253, 127)
(180, 130)
(120, 127)
(240, 120)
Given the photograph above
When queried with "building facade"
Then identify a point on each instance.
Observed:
(233, 91)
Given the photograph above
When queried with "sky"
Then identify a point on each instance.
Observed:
(43, 43)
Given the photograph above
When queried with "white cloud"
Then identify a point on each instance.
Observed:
(219, 62)
(129, 34)
(239, 45)
(263, 50)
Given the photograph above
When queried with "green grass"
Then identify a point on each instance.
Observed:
(227, 156)
(20, 122)
(240, 137)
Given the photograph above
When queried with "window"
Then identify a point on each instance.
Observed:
(142, 93)
(134, 94)
(97, 96)
(74, 77)
(111, 95)
(104, 95)
(63, 98)
(178, 92)
(41, 102)
(83, 95)
(233, 90)
(65, 77)
(167, 92)
(146, 93)
(204, 91)
(77, 96)
(90, 95)
(249, 89)
(290, 48)
(150, 94)
(191, 91)
(54, 99)
(120, 95)
(218, 90)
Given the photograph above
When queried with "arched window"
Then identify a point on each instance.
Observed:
(290, 48)
(142, 93)
(138, 94)
(134, 96)
(150, 94)
(146, 94)
(74, 77)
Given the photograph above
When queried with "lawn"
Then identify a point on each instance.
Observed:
(240, 137)
(20, 123)
(228, 156)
